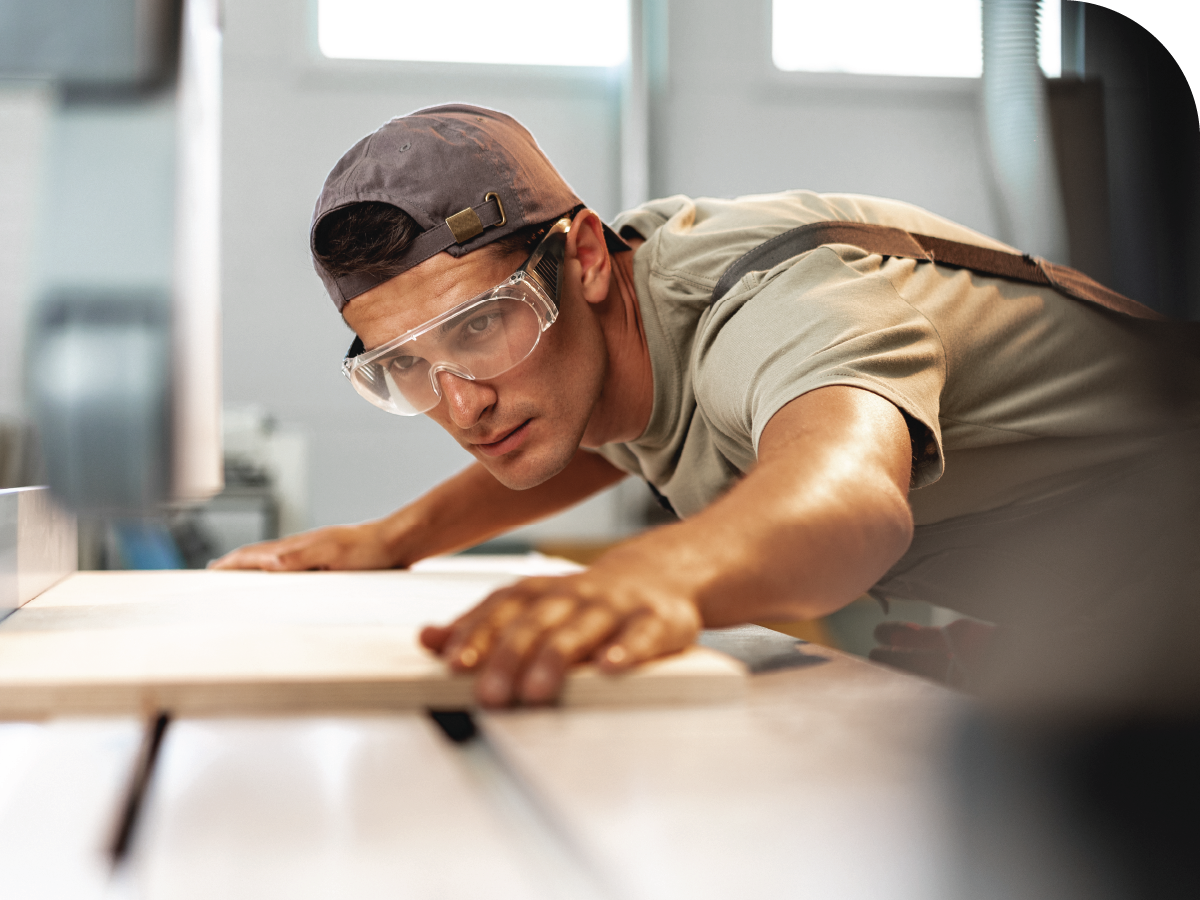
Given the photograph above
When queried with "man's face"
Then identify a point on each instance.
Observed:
(526, 424)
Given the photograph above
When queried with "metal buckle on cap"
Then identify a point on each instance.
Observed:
(492, 195)
(467, 224)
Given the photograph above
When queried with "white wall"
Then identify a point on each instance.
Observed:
(729, 123)
(726, 123)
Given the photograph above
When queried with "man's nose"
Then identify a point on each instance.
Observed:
(466, 400)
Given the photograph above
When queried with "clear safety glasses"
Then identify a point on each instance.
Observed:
(476, 340)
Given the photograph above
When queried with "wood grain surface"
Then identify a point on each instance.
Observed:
(214, 643)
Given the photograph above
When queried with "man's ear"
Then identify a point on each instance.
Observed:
(586, 245)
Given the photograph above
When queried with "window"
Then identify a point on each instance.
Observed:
(887, 37)
(517, 32)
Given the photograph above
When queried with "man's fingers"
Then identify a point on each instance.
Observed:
(644, 637)
(573, 641)
(515, 646)
(472, 632)
(434, 637)
(277, 556)
(314, 551)
(333, 547)
(245, 558)
(472, 636)
(969, 640)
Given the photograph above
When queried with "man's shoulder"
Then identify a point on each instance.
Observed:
(699, 217)
(699, 238)
(693, 240)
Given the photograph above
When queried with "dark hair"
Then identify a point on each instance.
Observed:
(370, 238)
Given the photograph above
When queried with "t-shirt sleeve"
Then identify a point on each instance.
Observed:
(814, 323)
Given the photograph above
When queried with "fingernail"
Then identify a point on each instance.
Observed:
(538, 684)
(616, 655)
(493, 689)
(468, 657)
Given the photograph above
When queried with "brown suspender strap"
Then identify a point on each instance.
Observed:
(888, 241)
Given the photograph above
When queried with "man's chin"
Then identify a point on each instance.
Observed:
(520, 473)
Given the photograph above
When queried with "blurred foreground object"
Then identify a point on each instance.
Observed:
(110, 43)
(122, 358)
(196, 364)
(1076, 778)
(1078, 808)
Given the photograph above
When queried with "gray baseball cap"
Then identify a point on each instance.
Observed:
(467, 175)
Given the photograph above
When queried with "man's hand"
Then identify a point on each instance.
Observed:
(337, 547)
(522, 639)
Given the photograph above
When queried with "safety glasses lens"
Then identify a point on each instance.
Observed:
(482, 342)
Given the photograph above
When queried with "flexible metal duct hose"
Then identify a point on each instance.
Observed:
(1018, 130)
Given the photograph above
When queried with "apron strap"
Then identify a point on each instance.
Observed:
(888, 241)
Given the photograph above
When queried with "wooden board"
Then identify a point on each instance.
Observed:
(211, 643)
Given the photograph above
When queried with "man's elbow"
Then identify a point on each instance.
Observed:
(877, 536)
(886, 536)
(895, 527)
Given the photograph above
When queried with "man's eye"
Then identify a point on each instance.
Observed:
(403, 363)
(480, 324)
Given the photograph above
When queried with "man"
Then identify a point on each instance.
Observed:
(786, 421)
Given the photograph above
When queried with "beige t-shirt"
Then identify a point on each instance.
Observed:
(1008, 388)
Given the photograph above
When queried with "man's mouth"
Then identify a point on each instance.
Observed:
(507, 442)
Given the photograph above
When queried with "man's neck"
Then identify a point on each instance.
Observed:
(627, 398)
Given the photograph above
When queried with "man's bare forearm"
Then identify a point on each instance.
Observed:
(473, 506)
(821, 517)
